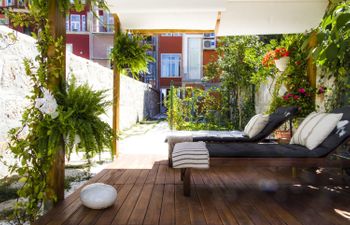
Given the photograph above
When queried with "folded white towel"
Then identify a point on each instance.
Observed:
(190, 155)
(173, 140)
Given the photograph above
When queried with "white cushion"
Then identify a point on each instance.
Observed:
(315, 129)
(256, 124)
(98, 196)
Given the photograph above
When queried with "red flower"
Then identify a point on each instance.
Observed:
(298, 63)
(296, 97)
(281, 52)
(301, 91)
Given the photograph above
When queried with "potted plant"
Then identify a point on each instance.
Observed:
(281, 58)
(278, 57)
(129, 54)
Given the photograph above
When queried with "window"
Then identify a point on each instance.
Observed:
(75, 22)
(194, 58)
(110, 23)
(170, 65)
(10, 2)
(101, 23)
(83, 23)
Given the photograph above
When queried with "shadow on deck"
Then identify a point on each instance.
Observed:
(151, 193)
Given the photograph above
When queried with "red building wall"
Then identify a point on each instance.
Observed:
(168, 44)
(80, 44)
(209, 56)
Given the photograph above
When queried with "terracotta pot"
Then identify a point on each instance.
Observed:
(282, 63)
(282, 134)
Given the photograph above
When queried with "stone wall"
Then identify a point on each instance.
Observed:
(138, 100)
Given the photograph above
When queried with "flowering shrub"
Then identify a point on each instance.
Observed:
(268, 59)
(271, 56)
(302, 98)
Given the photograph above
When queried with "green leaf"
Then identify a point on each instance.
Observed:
(331, 51)
(342, 20)
(22, 180)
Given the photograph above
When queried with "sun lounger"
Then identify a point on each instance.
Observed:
(276, 119)
(278, 155)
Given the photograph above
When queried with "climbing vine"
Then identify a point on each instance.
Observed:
(58, 114)
(332, 51)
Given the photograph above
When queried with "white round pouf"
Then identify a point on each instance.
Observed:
(98, 196)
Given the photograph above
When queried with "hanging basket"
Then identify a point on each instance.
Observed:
(282, 63)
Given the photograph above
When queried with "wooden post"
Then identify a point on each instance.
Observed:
(116, 95)
(311, 66)
(57, 23)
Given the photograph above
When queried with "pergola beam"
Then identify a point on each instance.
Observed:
(164, 31)
(116, 95)
(57, 23)
(217, 25)
(311, 66)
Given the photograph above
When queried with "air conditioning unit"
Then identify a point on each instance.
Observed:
(209, 35)
(209, 44)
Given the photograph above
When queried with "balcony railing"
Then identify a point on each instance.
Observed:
(108, 28)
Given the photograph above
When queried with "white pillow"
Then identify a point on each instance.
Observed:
(315, 129)
(256, 124)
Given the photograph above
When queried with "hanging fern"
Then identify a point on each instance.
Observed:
(81, 116)
(130, 51)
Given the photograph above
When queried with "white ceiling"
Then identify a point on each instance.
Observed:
(238, 17)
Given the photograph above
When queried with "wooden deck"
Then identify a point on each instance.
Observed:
(151, 193)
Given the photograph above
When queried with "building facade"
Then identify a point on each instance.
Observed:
(181, 61)
(179, 58)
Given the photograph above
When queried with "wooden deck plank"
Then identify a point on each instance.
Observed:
(72, 203)
(167, 215)
(155, 205)
(219, 196)
(152, 174)
(139, 212)
(244, 196)
(138, 178)
(124, 213)
(83, 215)
(108, 214)
(219, 202)
(195, 208)
(182, 213)
(170, 176)
(160, 179)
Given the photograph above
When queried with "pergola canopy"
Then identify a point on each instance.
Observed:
(226, 17)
